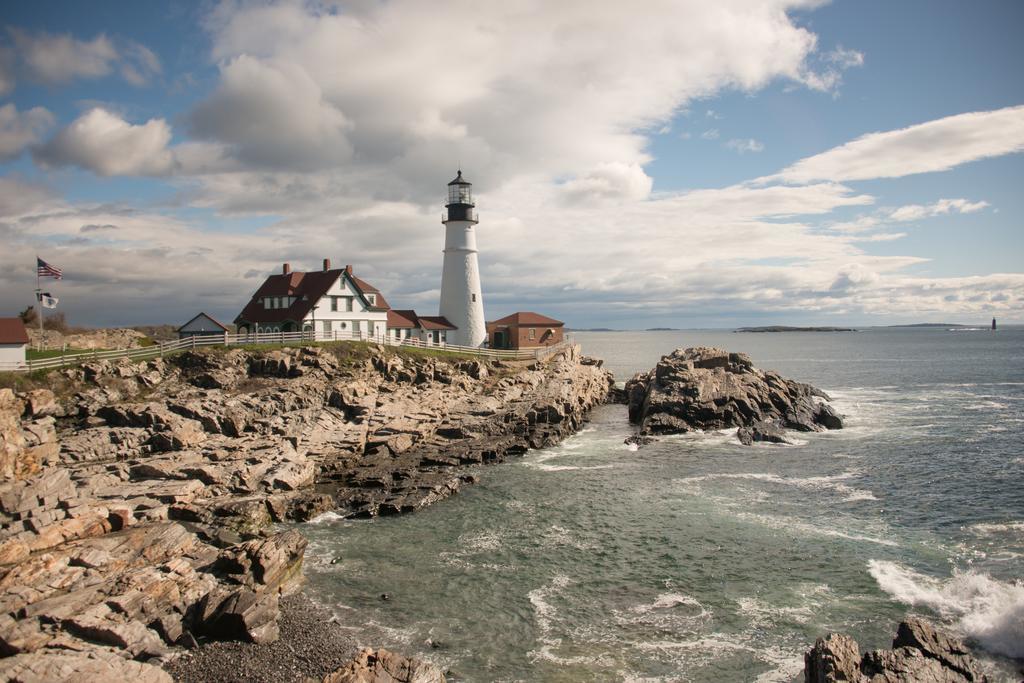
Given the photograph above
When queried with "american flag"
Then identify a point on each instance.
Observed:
(44, 269)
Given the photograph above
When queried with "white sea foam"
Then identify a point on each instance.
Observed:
(763, 615)
(983, 608)
(543, 611)
(560, 536)
(789, 524)
(540, 460)
(989, 528)
(326, 518)
(788, 665)
(827, 483)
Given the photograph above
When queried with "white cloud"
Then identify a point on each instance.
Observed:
(710, 134)
(272, 114)
(937, 145)
(56, 59)
(913, 212)
(611, 180)
(523, 75)
(902, 214)
(742, 146)
(844, 58)
(21, 130)
(106, 144)
(139, 64)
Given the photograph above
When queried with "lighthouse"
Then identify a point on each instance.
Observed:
(462, 301)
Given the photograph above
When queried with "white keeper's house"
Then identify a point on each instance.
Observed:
(336, 305)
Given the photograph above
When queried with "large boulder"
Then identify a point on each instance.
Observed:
(384, 666)
(705, 388)
(919, 652)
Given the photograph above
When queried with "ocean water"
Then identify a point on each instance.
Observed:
(697, 559)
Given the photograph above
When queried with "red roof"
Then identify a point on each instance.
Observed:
(409, 319)
(12, 331)
(307, 288)
(436, 322)
(527, 318)
(405, 319)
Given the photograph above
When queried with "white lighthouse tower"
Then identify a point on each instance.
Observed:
(462, 301)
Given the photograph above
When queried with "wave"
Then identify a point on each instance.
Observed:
(557, 536)
(810, 529)
(327, 518)
(984, 609)
(988, 528)
(827, 483)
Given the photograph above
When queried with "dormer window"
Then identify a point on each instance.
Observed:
(372, 298)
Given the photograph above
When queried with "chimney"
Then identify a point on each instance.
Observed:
(327, 264)
(286, 268)
(348, 269)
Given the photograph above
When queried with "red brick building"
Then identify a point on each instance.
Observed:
(524, 330)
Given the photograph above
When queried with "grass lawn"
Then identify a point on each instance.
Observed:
(32, 354)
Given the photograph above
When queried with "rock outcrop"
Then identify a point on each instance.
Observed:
(137, 511)
(119, 338)
(705, 388)
(384, 666)
(919, 652)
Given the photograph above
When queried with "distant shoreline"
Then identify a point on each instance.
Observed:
(785, 328)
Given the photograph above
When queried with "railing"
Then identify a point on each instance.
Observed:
(282, 338)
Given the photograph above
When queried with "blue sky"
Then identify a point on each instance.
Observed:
(692, 164)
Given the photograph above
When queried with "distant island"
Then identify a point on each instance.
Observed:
(786, 328)
(932, 325)
(662, 329)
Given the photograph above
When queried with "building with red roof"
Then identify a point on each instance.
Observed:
(407, 324)
(337, 305)
(524, 330)
(13, 342)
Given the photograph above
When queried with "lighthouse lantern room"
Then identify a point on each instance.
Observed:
(462, 301)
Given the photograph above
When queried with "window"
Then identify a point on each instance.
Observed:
(327, 325)
(267, 302)
(533, 333)
(474, 297)
(372, 298)
(334, 303)
(371, 327)
(348, 304)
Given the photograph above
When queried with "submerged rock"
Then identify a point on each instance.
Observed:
(919, 652)
(765, 431)
(384, 666)
(707, 389)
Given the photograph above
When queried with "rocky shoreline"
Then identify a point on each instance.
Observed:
(138, 505)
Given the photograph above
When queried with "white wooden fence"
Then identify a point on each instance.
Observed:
(282, 338)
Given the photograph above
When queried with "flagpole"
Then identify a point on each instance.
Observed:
(39, 305)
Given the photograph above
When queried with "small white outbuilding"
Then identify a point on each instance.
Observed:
(13, 342)
(203, 325)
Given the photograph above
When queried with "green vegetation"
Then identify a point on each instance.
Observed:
(38, 379)
(32, 354)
